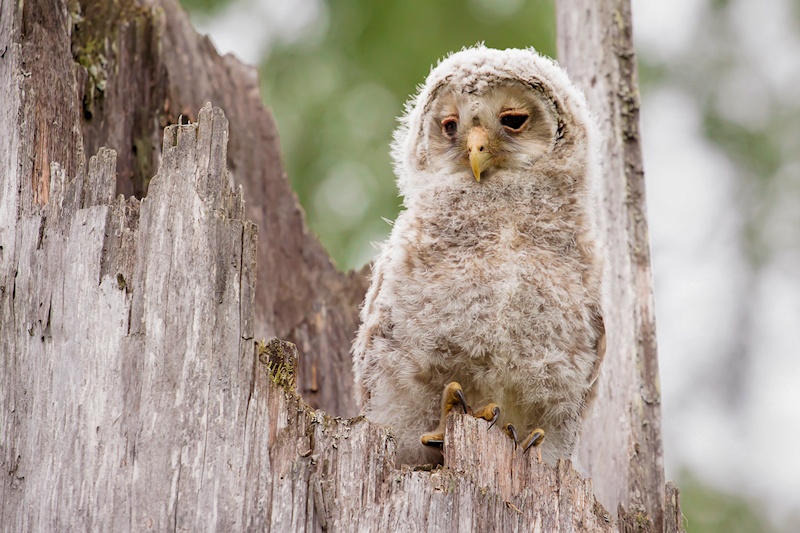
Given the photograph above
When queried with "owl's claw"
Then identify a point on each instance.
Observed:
(433, 439)
(490, 413)
(460, 395)
(454, 395)
(534, 439)
(512, 432)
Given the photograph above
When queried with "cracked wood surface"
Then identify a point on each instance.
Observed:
(620, 445)
(88, 74)
(339, 475)
(128, 347)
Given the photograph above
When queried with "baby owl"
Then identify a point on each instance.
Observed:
(488, 291)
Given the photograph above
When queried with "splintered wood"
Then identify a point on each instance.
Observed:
(340, 474)
(127, 347)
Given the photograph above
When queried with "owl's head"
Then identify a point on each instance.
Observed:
(488, 116)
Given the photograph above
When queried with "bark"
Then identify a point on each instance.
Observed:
(621, 441)
(340, 475)
(133, 395)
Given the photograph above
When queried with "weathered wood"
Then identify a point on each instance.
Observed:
(340, 475)
(621, 441)
(114, 73)
(127, 347)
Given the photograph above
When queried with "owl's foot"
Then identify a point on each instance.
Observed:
(453, 395)
(490, 413)
(533, 441)
(433, 439)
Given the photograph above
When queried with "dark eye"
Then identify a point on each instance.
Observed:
(513, 121)
(450, 126)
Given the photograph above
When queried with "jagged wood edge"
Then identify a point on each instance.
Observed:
(484, 485)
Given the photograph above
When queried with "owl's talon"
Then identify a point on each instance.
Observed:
(512, 432)
(496, 413)
(452, 394)
(462, 400)
(490, 413)
(534, 439)
(433, 439)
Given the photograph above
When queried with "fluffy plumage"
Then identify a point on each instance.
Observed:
(494, 283)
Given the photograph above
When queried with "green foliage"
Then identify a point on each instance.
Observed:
(204, 6)
(336, 99)
(708, 510)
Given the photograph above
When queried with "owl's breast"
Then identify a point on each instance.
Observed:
(490, 289)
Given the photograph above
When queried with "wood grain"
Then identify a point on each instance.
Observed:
(621, 440)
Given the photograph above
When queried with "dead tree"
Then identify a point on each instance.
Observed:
(133, 392)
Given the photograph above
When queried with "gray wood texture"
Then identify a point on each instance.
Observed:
(340, 475)
(132, 393)
(128, 347)
(621, 439)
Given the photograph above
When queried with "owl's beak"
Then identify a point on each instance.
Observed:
(478, 146)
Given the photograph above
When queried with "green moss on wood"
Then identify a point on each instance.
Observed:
(143, 154)
(95, 32)
(281, 360)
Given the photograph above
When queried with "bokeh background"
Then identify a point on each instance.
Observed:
(720, 83)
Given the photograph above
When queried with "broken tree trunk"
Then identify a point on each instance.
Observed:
(132, 393)
(621, 440)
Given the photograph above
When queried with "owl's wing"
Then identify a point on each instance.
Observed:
(600, 350)
(372, 320)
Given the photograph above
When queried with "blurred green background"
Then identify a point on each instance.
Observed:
(721, 133)
(336, 101)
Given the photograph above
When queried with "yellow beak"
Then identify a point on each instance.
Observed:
(478, 146)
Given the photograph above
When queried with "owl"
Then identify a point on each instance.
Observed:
(486, 296)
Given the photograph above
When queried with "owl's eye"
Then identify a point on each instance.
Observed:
(450, 127)
(513, 121)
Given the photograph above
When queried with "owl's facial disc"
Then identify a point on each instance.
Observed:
(506, 127)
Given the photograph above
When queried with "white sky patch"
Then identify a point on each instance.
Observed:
(249, 28)
(744, 98)
(783, 220)
(772, 415)
(768, 42)
(665, 29)
(696, 263)
(694, 208)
